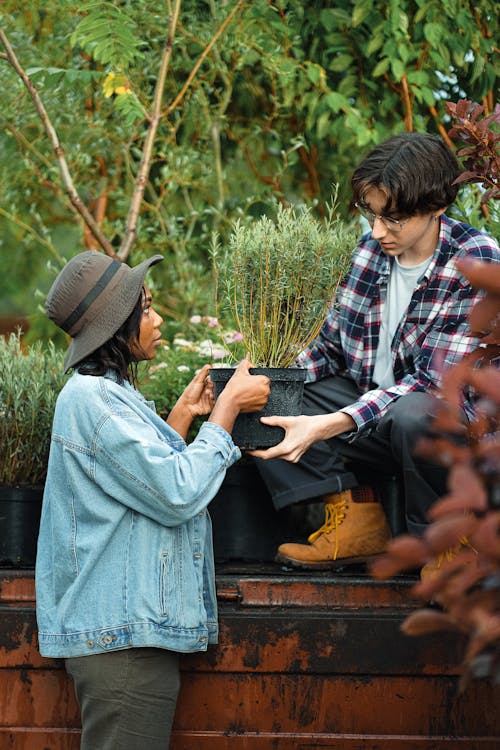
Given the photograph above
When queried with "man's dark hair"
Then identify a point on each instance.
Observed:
(415, 170)
(116, 353)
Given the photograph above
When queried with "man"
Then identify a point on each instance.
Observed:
(401, 318)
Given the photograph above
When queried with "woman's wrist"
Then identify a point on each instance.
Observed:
(180, 419)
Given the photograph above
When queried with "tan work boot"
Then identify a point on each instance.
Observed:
(353, 532)
(439, 564)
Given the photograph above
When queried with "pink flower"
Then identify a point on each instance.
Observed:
(231, 337)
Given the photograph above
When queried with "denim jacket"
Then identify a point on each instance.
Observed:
(125, 553)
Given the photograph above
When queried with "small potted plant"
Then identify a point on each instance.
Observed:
(276, 280)
(30, 380)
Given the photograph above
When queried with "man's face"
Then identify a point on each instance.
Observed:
(410, 238)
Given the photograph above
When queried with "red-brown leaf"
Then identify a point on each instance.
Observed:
(403, 553)
(482, 275)
(465, 483)
(425, 621)
(447, 532)
(486, 537)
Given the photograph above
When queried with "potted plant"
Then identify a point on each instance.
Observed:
(276, 280)
(30, 380)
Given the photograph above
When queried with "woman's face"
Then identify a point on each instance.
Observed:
(149, 338)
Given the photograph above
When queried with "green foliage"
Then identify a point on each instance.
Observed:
(468, 207)
(283, 106)
(30, 382)
(278, 279)
(107, 35)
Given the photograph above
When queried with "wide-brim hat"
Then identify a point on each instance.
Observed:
(92, 297)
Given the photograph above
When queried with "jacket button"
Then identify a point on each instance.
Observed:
(107, 639)
(90, 644)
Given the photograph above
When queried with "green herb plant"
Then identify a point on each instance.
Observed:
(277, 278)
(30, 380)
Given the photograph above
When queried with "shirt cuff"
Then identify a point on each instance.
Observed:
(352, 412)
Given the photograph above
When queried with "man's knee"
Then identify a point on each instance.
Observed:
(408, 417)
(328, 395)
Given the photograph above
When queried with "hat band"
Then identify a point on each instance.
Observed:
(91, 296)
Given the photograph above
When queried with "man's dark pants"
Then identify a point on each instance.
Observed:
(333, 465)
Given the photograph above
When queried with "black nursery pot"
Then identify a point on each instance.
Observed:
(285, 400)
(20, 509)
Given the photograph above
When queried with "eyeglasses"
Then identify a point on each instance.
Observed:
(393, 225)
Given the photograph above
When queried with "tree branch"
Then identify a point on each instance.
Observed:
(130, 233)
(144, 166)
(442, 131)
(156, 115)
(407, 104)
(58, 149)
(29, 230)
(203, 55)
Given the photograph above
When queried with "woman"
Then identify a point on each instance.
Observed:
(125, 571)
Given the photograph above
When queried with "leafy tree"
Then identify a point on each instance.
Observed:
(262, 100)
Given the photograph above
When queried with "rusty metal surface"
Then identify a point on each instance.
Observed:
(270, 586)
(37, 698)
(35, 739)
(264, 741)
(17, 587)
(333, 704)
(319, 642)
(57, 740)
(303, 662)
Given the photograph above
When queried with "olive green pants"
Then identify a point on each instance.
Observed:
(127, 698)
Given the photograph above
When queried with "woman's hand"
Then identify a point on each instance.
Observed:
(249, 392)
(244, 392)
(198, 396)
(196, 399)
(301, 432)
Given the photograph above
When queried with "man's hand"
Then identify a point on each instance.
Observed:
(301, 432)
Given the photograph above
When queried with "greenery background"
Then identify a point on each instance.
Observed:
(281, 108)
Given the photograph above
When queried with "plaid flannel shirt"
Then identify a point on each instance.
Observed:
(432, 335)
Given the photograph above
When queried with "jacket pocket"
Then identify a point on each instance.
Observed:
(165, 576)
(180, 585)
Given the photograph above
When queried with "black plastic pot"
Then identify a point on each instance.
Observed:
(285, 400)
(245, 524)
(20, 509)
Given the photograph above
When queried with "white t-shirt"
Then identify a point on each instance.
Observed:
(402, 282)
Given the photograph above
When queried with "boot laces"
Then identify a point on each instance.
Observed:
(334, 515)
(451, 552)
